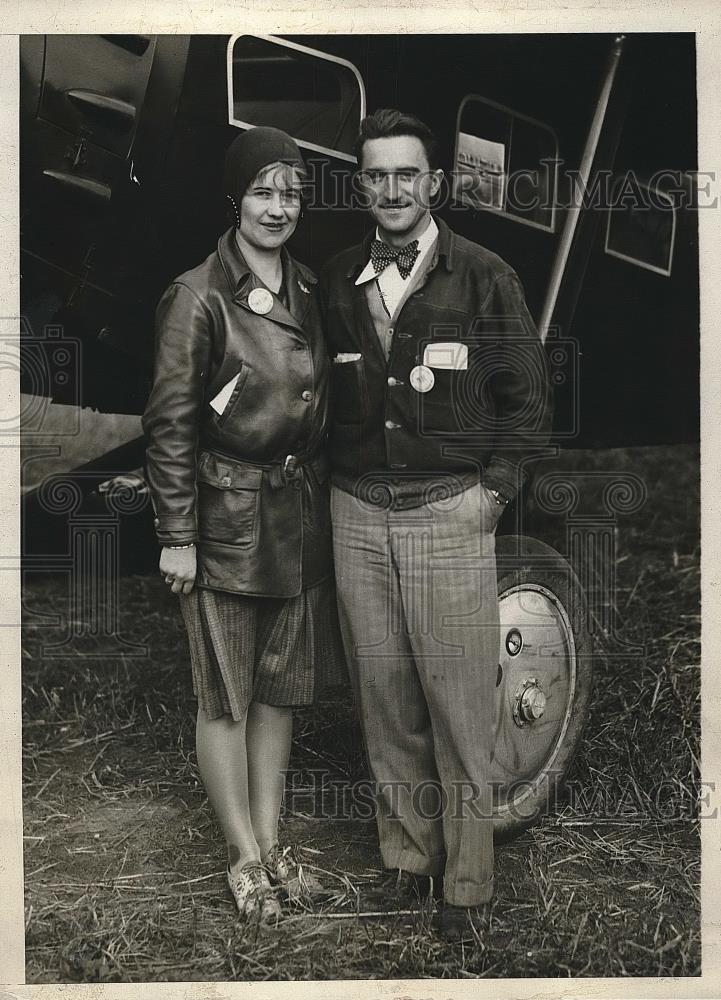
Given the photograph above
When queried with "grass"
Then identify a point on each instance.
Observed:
(124, 862)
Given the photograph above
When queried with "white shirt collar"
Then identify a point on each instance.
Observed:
(425, 241)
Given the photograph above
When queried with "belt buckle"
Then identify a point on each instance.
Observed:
(290, 466)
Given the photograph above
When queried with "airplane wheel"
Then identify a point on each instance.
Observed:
(545, 676)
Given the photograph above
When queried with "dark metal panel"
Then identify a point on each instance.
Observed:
(32, 58)
(94, 88)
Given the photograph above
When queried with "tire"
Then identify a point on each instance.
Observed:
(545, 678)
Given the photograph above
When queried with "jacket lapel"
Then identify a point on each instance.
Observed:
(297, 279)
(299, 282)
(277, 313)
(363, 320)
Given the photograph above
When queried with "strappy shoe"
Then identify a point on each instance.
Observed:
(289, 877)
(254, 895)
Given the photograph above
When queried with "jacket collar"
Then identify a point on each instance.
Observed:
(360, 253)
(297, 277)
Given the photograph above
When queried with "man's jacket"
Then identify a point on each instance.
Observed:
(488, 407)
(217, 479)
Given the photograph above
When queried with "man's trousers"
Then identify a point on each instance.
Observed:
(418, 608)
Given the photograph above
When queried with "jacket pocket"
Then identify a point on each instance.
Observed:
(444, 407)
(349, 393)
(234, 396)
(228, 500)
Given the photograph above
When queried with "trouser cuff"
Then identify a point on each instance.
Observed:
(468, 893)
(411, 861)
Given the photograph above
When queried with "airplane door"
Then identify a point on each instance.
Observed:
(74, 152)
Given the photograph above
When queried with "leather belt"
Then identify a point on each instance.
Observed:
(288, 469)
(293, 467)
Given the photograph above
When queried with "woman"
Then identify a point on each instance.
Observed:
(236, 423)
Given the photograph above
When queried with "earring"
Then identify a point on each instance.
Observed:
(235, 209)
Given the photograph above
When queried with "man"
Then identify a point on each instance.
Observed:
(440, 394)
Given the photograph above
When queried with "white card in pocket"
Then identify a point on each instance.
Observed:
(451, 355)
(220, 401)
(344, 359)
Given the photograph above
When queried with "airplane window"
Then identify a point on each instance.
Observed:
(505, 162)
(317, 98)
(641, 225)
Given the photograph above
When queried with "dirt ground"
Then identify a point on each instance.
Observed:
(124, 862)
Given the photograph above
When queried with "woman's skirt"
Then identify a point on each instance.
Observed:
(276, 650)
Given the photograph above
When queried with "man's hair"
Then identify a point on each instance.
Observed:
(387, 122)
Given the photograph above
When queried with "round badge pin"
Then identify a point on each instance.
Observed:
(260, 301)
(422, 378)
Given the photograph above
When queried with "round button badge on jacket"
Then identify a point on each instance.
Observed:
(260, 301)
(422, 378)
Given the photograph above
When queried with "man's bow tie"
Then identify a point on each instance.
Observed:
(382, 255)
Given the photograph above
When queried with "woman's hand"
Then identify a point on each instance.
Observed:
(177, 567)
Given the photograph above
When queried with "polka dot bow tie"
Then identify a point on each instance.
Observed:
(382, 255)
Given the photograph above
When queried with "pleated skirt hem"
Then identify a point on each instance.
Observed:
(278, 651)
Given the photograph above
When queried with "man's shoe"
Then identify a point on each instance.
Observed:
(401, 888)
(462, 923)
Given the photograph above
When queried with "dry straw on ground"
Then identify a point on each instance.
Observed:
(124, 865)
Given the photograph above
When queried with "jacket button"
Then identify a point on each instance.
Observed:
(156, 522)
(391, 426)
(225, 481)
(307, 395)
(392, 381)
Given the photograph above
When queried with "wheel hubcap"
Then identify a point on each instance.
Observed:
(530, 703)
(535, 696)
